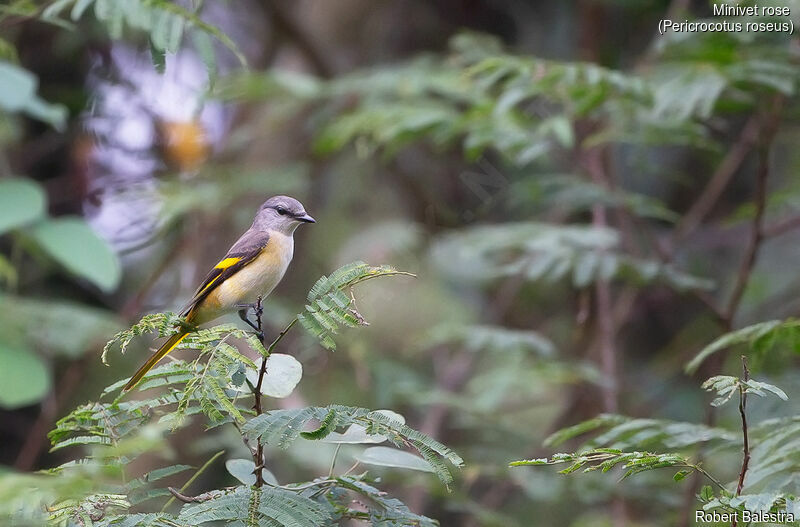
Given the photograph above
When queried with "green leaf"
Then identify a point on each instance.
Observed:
(175, 34)
(629, 433)
(758, 387)
(18, 94)
(159, 32)
(55, 8)
(158, 58)
(244, 471)
(73, 244)
(757, 334)
(78, 9)
(21, 202)
(281, 427)
(24, 378)
(549, 252)
(392, 457)
(17, 86)
(205, 49)
(529, 462)
(605, 459)
(681, 475)
(8, 273)
(725, 386)
(706, 493)
(68, 328)
(283, 374)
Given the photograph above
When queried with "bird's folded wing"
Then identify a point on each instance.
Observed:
(244, 251)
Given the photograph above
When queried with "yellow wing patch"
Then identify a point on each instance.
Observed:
(224, 264)
(227, 262)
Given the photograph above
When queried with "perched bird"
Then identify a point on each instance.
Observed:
(251, 269)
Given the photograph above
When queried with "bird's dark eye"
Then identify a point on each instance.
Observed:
(281, 211)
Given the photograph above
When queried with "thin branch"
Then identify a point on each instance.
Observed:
(280, 336)
(768, 131)
(711, 478)
(781, 227)
(315, 483)
(177, 494)
(745, 435)
(604, 311)
(719, 181)
(286, 24)
(258, 457)
(753, 246)
(333, 460)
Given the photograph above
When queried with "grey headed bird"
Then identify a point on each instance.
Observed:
(252, 268)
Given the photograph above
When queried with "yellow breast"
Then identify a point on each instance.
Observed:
(259, 277)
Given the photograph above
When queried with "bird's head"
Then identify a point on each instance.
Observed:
(281, 213)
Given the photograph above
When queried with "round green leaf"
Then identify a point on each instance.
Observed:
(73, 244)
(55, 326)
(24, 378)
(21, 202)
(283, 374)
(391, 457)
(243, 470)
(17, 85)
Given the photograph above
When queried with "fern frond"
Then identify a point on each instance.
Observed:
(161, 323)
(270, 507)
(725, 386)
(193, 388)
(760, 337)
(605, 459)
(329, 306)
(549, 253)
(624, 433)
(164, 21)
(140, 520)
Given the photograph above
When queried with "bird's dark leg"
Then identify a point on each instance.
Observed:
(257, 311)
(244, 317)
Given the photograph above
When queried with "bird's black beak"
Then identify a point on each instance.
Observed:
(306, 218)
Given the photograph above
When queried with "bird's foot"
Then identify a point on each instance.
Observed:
(246, 319)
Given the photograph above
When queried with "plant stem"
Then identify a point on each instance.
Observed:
(333, 461)
(756, 237)
(258, 456)
(745, 437)
(192, 479)
(258, 453)
(280, 336)
(719, 181)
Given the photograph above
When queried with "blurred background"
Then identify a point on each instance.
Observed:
(586, 204)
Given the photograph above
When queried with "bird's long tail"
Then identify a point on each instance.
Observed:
(168, 346)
